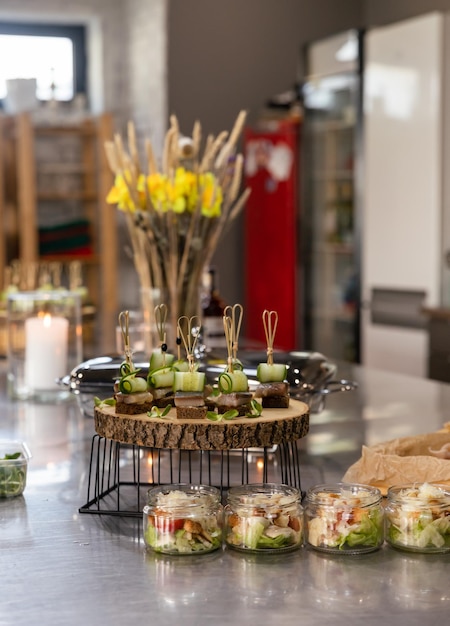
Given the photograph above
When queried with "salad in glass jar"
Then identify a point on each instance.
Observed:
(418, 517)
(344, 518)
(183, 519)
(14, 457)
(263, 518)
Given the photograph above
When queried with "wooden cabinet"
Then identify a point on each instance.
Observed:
(62, 180)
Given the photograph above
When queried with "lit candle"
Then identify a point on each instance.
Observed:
(46, 340)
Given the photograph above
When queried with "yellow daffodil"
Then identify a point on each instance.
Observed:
(211, 195)
(181, 193)
(119, 194)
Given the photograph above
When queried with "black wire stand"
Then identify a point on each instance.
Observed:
(121, 474)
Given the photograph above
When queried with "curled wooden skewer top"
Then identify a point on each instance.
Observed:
(186, 331)
(232, 321)
(270, 322)
(124, 327)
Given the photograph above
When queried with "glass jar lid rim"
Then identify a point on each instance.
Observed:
(193, 495)
(319, 494)
(252, 491)
(411, 492)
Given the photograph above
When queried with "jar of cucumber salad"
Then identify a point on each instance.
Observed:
(263, 518)
(344, 518)
(183, 519)
(418, 517)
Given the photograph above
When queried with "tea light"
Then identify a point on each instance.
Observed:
(46, 340)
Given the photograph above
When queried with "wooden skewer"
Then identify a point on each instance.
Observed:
(124, 327)
(189, 337)
(270, 321)
(234, 314)
(160, 321)
(227, 327)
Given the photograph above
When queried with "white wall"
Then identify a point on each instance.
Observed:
(126, 50)
(103, 19)
(127, 74)
(147, 67)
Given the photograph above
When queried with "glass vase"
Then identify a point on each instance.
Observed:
(186, 302)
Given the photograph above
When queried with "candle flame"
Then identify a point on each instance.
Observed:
(47, 320)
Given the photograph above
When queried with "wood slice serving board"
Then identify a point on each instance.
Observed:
(273, 427)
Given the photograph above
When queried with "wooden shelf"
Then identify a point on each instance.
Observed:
(86, 129)
(61, 168)
(91, 259)
(88, 163)
(56, 196)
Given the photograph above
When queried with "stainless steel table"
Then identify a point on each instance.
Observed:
(62, 568)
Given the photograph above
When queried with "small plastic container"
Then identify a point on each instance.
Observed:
(344, 518)
(263, 518)
(183, 519)
(14, 457)
(418, 517)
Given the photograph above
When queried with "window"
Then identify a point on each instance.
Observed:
(52, 54)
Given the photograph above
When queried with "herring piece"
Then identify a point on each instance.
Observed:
(271, 389)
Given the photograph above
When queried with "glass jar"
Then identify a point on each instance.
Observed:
(14, 457)
(183, 519)
(263, 518)
(344, 518)
(418, 517)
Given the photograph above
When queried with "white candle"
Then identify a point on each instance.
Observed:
(46, 340)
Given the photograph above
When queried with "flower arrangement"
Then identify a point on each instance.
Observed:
(176, 214)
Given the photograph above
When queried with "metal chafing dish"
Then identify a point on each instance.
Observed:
(311, 376)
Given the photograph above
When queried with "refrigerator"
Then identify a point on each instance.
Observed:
(330, 215)
(271, 226)
(406, 225)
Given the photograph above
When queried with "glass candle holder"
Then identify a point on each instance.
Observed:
(44, 336)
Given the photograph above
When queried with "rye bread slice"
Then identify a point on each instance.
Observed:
(125, 408)
(191, 412)
(274, 402)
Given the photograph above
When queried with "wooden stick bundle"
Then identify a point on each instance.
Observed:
(171, 250)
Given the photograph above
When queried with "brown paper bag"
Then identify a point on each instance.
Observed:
(401, 461)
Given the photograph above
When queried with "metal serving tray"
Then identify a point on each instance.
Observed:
(311, 376)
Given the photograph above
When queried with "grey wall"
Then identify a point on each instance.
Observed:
(225, 56)
(203, 59)
(379, 12)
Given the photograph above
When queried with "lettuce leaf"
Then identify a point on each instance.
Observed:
(280, 541)
(253, 533)
(367, 533)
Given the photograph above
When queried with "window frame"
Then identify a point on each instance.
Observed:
(75, 32)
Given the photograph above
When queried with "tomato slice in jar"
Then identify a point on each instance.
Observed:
(165, 523)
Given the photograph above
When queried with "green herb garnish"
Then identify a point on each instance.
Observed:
(218, 417)
(157, 412)
(12, 479)
(107, 402)
(256, 409)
